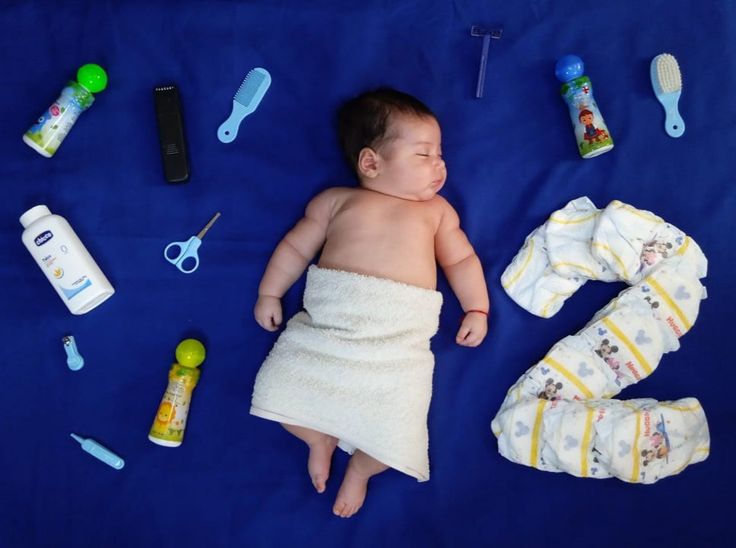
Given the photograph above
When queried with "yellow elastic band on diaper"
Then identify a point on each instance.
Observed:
(545, 309)
(579, 267)
(670, 302)
(635, 450)
(694, 407)
(569, 376)
(647, 216)
(631, 346)
(516, 276)
(621, 264)
(533, 457)
(586, 441)
(574, 221)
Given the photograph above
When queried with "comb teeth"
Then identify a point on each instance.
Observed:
(247, 90)
(668, 73)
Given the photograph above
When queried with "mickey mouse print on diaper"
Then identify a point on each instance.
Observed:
(559, 416)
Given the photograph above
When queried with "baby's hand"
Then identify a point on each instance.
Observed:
(268, 312)
(473, 329)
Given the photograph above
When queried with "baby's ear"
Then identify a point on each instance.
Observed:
(368, 162)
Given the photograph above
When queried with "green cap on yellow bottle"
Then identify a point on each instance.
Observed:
(190, 353)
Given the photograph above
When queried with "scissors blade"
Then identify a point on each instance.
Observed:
(208, 226)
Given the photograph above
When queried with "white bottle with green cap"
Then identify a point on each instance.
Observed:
(64, 260)
(52, 126)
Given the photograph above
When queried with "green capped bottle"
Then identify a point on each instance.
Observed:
(171, 418)
(46, 135)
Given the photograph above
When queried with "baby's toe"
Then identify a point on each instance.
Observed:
(319, 483)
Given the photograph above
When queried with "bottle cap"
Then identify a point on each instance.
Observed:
(93, 77)
(569, 67)
(190, 353)
(33, 214)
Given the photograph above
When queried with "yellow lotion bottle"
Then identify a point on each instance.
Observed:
(171, 419)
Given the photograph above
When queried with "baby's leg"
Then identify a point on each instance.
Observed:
(321, 447)
(352, 491)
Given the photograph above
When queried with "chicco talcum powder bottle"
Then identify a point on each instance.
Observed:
(64, 260)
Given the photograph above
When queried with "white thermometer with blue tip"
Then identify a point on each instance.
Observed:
(100, 452)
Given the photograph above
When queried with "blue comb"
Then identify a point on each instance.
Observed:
(667, 84)
(245, 102)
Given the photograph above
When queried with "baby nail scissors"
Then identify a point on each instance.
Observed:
(188, 249)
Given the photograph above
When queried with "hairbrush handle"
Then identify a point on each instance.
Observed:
(674, 125)
(228, 130)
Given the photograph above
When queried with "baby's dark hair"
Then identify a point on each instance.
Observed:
(363, 121)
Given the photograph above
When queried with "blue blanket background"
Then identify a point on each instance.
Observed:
(241, 481)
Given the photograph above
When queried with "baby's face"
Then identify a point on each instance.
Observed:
(411, 164)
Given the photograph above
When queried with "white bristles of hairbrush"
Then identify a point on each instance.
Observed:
(668, 73)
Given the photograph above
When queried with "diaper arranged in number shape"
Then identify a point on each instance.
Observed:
(559, 416)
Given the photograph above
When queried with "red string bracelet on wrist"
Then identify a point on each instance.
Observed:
(476, 310)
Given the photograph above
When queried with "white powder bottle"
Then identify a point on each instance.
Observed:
(64, 260)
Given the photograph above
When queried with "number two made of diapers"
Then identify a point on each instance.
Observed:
(560, 416)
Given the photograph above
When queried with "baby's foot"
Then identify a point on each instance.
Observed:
(320, 458)
(352, 492)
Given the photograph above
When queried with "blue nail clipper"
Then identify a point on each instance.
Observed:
(74, 359)
(100, 452)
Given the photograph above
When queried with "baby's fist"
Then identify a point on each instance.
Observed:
(473, 329)
(268, 312)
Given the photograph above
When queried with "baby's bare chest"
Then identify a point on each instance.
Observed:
(399, 221)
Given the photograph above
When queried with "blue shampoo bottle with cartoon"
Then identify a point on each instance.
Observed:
(591, 133)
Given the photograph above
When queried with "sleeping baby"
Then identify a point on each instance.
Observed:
(354, 368)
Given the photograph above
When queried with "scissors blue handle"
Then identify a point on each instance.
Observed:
(187, 250)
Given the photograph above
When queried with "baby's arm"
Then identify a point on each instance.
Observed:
(291, 257)
(464, 272)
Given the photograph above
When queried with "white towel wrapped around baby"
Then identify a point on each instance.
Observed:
(557, 416)
(356, 364)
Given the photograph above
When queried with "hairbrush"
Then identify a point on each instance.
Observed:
(667, 83)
